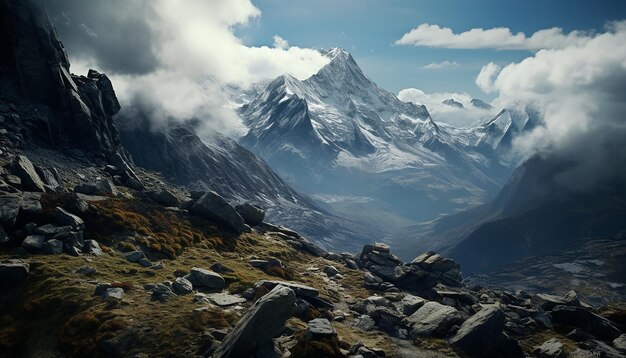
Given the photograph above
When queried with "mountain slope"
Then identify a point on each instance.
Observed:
(534, 213)
(219, 163)
(338, 134)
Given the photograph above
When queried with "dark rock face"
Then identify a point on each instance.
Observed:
(45, 104)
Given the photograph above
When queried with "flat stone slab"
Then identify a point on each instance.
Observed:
(299, 289)
(223, 299)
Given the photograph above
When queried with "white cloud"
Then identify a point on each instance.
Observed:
(487, 75)
(500, 38)
(459, 117)
(579, 92)
(194, 39)
(440, 65)
(280, 43)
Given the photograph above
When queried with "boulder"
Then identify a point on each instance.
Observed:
(47, 177)
(9, 208)
(213, 207)
(75, 204)
(182, 286)
(299, 289)
(223, 299)
(433, 319)
(481, 334)
(52, 231)
(163, 197)
(13, 272)
(550, 349)
(66, 218)
(25, 170)
(219, 268)
(162, 292)
(620, 343)
(86, 270)
(409, 304)
(330, 270)
(364, 323)
(92, 247)
(320, 328)
(74, 241)
(134, 256)
(102, 186)
(251, 214)
(202, 278)
(52, 247)
(113, 293)
(265, 319)
(33, 242)
(586, 320)
(548, 302)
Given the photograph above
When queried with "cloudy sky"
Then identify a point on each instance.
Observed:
(566, 59)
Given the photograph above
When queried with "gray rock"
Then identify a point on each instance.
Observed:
(586, 320)
(409, 304)
(33, 242)
(144, 262)
(219, 268)
(251, 214)
(320, 328)
(364, 323)
(92, 247)
(182, 286)
(265, 319)
(24, 169)
(163, 197)
(262, 264)
(101, 186)
(543, 319)
(66, 218)
(224, 299)
(47, 177)
(434, 319)
(52, 231)
(13, 272)
(299, 289)
(547, 302)
(481, 334)
(114, 293)
(30, 206)
(101, 288)
(73, 250)
(52, 247)
(73, 241)
(550, 349)
(162, 292)
(202, 278)
(213, 207)
(330, 271)
(134, 256)
(9, 208)
(620, 343)
(86, 270)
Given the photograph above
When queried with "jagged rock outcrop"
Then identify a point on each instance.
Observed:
(42, 103)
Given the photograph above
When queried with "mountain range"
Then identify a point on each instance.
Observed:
(343, 140)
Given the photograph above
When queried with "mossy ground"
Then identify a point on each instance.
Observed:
(55, 309)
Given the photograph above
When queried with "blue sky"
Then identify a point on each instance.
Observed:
(368, 29)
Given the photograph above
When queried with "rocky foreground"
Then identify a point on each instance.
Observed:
(91, 266)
